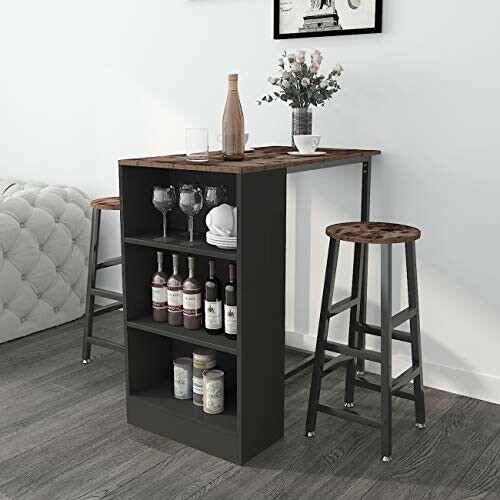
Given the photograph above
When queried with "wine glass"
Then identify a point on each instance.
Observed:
(164, 199)
(190, 202)
(215, 196)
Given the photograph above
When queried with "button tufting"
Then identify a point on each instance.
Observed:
(38, 270)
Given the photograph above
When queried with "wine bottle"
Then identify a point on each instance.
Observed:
(191, 299)
(159, 291)
(213, 302)
(174, 291)
(230, 305)
(233, 124)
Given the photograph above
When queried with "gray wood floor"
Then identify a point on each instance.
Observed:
(63, 435)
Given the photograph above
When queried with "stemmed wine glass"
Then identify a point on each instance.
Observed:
(164, 199)
(190, 202)
(215, 196)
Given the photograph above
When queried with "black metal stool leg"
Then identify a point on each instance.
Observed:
(91, 283)
(359, 250)
(416, 345)
(386, 351)
(324, 321)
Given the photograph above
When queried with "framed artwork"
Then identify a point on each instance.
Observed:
(307, 18)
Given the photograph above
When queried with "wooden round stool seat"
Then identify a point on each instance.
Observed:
(106, 203)
(373, 232)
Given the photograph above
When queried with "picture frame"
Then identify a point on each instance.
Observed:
(318, 18)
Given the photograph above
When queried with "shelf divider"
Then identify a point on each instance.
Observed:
(148, 240)
(196, 337)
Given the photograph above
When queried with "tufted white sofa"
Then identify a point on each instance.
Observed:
(44, 247)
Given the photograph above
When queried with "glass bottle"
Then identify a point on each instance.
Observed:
(159, 291)
(233, 124)
(191, 299)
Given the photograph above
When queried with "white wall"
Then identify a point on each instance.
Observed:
(85, 83)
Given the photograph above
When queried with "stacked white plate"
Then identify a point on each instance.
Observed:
(227, 242)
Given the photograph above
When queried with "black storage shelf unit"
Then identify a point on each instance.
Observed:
(254, 364)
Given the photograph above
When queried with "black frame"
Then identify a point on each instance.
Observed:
(361, 31)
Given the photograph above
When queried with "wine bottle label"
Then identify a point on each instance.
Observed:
(213, 315)
(174, 299)
(160, 297)
(191, 303)
(231, 319)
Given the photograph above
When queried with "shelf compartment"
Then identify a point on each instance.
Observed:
(161, 397)
(186, 423)
(178, 237)
(196, 337)
(151, 404)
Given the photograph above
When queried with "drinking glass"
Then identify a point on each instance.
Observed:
(197, 144)
(190, 202)
(164, 199)
(215, 196)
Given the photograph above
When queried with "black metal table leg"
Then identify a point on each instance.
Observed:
(386, 351)
(324, 322)
(416, 344)
(365, 217)
(92, 271)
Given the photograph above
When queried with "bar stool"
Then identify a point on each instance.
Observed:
(362, 234)
(91, 311)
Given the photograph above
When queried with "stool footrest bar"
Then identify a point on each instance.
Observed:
(108, 344)
(361, 382)
(376, 330)
(354, 353)
(405, 378)
(106, 309)
(300, 366)
(403, 316)
(334, 363)
(342, 306)
(109, 263)
(351, 415)
(107, 294)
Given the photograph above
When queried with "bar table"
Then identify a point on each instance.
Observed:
(253, 364)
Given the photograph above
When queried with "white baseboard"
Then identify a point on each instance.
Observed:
(473, 385)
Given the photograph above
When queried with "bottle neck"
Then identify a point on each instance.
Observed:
(175, 264)
(211, 269)
(233, 84)
(232, 273)
(191, 267)
(160, 261)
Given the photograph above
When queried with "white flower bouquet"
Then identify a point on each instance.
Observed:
(300, 84)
